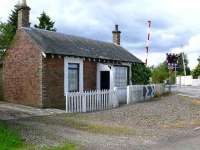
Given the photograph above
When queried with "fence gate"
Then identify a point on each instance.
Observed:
(121, 94)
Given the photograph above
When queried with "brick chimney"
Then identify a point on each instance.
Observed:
(23, 14)
(116, 35)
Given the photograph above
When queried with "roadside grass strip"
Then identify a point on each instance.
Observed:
(182, 124)
(64, 147)
(10, 139)
(84, 125)
(196, 102)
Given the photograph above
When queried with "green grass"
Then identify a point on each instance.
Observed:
(78, 123)
(64, 147)
(9, 138)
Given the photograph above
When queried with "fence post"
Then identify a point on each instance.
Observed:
(115, 99)
(128, 95)
(66, 102)
(84, 102)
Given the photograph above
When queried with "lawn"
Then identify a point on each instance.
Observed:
(10, 139)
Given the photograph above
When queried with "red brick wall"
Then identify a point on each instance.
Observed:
(23, 71)
(32, 80)
(53, 82)
(89, 77)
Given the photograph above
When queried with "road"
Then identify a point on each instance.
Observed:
(190, 91)
(188, 142)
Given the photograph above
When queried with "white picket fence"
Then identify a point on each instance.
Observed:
(77, 102)
(90, 101)
(121, 94)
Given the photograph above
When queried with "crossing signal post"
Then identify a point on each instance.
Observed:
(172, 62)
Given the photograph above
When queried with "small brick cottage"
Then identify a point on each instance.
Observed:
(41, 66)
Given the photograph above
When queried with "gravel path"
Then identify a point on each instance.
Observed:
(156, 124)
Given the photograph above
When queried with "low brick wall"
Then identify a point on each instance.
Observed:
(53, 82)
(90, 75)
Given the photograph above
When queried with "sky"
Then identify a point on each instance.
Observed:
(175, 23)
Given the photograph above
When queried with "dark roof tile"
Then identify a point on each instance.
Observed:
(62, 44)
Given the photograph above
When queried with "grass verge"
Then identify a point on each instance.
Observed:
(182, 124)
(10, 139)
(64, 147)
(83, 125)
(196, 102)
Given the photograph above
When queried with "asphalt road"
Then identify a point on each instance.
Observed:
(188, 142)
(190, 91)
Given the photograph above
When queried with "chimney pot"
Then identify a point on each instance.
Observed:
(116, 27)
(116, 35)
(23, 14)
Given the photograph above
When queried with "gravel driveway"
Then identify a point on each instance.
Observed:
(152, 125)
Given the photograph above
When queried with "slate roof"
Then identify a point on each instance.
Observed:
(68, 45)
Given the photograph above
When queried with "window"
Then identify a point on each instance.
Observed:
(121, 75)
(73, 77)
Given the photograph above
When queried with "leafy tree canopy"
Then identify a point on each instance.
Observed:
(160, 73)
(45, 22)
(140, 74)
(196, 71)
(180, 71)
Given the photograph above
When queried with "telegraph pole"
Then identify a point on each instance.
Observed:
(183, 58)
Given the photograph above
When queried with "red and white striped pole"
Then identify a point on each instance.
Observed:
(148, 41)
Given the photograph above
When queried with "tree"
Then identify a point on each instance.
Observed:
(6, 35)
(13, 19)
(180, 71)
(140, 74)
(8, 30)
(196, 71)
(45, 22)
(160, 73)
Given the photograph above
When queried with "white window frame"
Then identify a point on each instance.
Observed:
(69, 60)
(127, 68)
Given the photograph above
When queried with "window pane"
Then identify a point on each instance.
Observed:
(73, 77)
(73, 66)
(121, 76)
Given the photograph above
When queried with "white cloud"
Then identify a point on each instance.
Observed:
(154, 58)
(174, 22)
(192, 49)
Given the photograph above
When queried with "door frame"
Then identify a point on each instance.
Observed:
(108, 82)
(104, 67)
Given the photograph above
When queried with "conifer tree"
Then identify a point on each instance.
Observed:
(13, 19)
(45, 22)
(8, 29)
